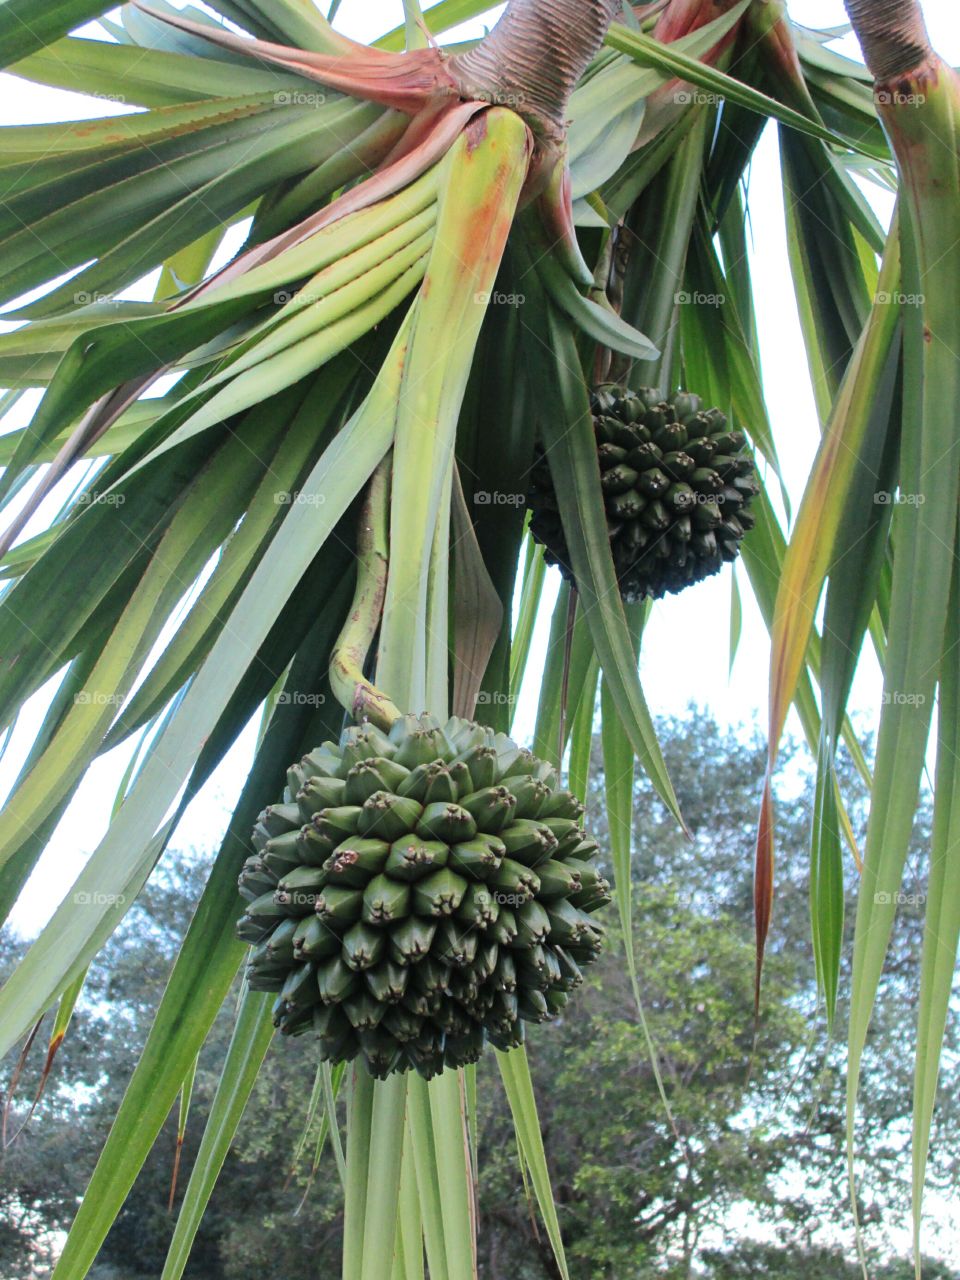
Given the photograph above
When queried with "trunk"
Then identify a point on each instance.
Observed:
(534, 57)
(892, 35)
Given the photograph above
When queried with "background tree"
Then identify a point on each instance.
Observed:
(759, 1127)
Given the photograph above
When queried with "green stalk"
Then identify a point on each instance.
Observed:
(534, 576)
(383, 1176)
(453, 1170)
(362, 699)
(420, 1125)
(414, 31)
(408, 1264)
(359, 1126)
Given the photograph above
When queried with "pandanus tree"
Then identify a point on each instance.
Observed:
(458, 278)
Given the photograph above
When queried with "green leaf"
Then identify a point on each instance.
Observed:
(483, 174)
(941, 931)
(202, 974)
(439, 17)
(147, 77)
(558, 705)
(25, 27)
(924, 530)
(118, 868)
(667, 58)
(571, 450)
(204, 518)
(248, 1047)
(453, 1170)
(518, 1086)
(531, 591)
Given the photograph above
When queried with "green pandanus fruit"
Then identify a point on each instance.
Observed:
(677, 485)
(418, 893)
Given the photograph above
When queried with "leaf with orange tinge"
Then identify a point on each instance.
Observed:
(407, 81)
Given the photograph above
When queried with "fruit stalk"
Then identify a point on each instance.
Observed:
(350, 686)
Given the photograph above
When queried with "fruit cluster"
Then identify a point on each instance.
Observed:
(419, 893)
(677, 489)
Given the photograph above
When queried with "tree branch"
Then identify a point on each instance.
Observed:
(892, 35)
